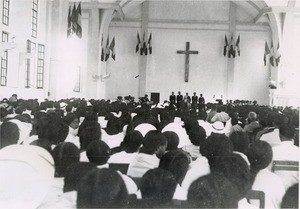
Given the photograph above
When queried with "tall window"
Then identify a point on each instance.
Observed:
(40, 66)
(34, 18)
(30, 49)
(77, 80)
(5, 12)
(4, 60)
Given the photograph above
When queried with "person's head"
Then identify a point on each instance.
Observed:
(98, 152)
(72, 120)
(240, 141)
(291, 197)
(197, 135)
(200, 95)
(154, 143)
(172, 92)
(260, 155)
(173, 140)
(88, 134)
(179, 92)
(75, 173)
(236, 170)
(114, 126)
(132, 142)
(194, 93)
(102, 188)
(286, 132)
(216, 145)
(252, 116)
(177, 162)
(158, 185)
(64, 155)
(186, 93)
(9, 133)
(212, 191)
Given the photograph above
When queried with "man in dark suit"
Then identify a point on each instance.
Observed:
(172, 99)
(179, 100)
(201, 103)
(194, 101)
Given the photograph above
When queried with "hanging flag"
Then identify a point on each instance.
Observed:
(102, 50)
(145, 50)
(267, 51)
(112, 48)
(237, 46)
(272, 59)
(78, 21)
(107, 51)
(149, 44)
(69, 29)
(231, 52)
(277, 55)
(74, 19)
(138, 46)
(225, 46)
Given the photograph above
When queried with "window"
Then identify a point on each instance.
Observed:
(4, 61)
(40, 66)
(77, 80)
(34, 18)
(30, 50)
(5, 12)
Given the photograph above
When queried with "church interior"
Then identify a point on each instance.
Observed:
(149, 104)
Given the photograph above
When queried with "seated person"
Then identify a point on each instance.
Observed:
(72, 120)
(113, 134)
(153, 147)
(240, 141)
(260, 156)
(9, 133)
(173, 140)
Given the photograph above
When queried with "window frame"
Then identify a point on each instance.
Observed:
(5, 12)
(4, 62)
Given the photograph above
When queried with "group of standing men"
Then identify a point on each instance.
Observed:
(186, 102)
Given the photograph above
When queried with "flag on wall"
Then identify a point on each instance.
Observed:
(78, 21)
(138, 46)
(112, 48)
(225, 46)
(145, 50)
(267, 51)
(107, 49)
(102, 50)
(237, 47)
(69, 30)
(149, 44)
(277, 55)
(231, 52)
(272, 59)
(74, 19)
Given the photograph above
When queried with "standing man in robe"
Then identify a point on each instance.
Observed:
(201, 103)
(179, 100)
(194, 101)
(172, 99)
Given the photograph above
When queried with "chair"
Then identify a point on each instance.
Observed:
(257, 195)
(119, 167)
(285, 165)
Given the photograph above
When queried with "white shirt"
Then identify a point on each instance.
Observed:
(272, 138)
(141, 164)
(179, 194)
(122, 157)
(112, 140)
(180, 131)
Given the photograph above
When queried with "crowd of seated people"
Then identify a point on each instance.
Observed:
(75, 153)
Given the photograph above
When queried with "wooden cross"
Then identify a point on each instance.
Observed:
(187, 53)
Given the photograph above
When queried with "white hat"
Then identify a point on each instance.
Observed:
(218, 127)
(144, 128)
(26, 173)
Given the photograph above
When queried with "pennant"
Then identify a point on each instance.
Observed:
(78, 21)
(112, 48)
(225, 46)
(107, 51)
(69, 29)
(149, 44)
(267, 51)
(237, 46)
(145, 50)
(272, 59)
(137, 48)
(102, 50)
(231, 52)
(74, 19)
(277, 55)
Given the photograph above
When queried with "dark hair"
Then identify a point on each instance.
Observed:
(236, 170)
(260, 155)
(114, 126)
(212, 191)
(74, 173)
(9, 134)
(44, 143)
(216, 145)
(132, 141)
(197, 135)
(102, 188)
(240, 141)
(152, 141)
(173, 140)
(177, 162)
(88, 134)
(287, 130)
(291, 197)
(98, 152)
(64, 155)
(69, 118)
(158, 185)
(23, 118)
